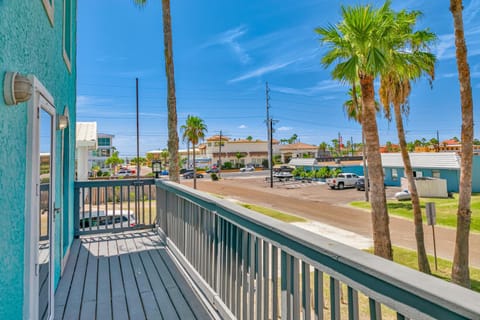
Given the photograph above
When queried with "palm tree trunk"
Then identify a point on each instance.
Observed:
(412, 187)
(188, 154)
(380, 221)
(194, 168)
(365, 169)
(460, 269)
(171, 99)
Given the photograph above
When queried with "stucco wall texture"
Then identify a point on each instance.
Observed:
(29, 44)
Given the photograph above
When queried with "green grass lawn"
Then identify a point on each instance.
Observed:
(408, 258)
(285, 217)
(446, 210)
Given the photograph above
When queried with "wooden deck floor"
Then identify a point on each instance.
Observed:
(124, 276)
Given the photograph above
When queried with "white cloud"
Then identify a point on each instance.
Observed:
(471, 11)
(285, 129)
(261, 71)
(242, 126)
(325, 85)
(230, 39)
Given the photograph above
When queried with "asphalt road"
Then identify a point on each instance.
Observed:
(318, 203)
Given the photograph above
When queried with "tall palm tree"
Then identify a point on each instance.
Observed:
(460, 269)
(358, 49)
(353, 109)
(194, 129)
(171, 98)
(409, 59)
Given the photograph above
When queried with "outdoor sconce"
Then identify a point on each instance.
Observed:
(16, 88)
(62, 122)
(156, 167)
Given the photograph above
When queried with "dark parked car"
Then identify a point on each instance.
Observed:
(212, 170)
(189, 175)
(360, 184)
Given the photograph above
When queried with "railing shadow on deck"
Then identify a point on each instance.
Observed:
(254, 267)
(125, 276)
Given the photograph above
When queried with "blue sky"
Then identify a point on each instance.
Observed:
(225, 51)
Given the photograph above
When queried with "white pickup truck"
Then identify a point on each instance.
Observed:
(342, 180)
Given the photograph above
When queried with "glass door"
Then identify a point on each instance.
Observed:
(46, 212)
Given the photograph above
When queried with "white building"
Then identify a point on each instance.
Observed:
(103, 151)
(92, 148)
(86, 141)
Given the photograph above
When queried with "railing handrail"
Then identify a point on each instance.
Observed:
(385, 281)
(118, 182)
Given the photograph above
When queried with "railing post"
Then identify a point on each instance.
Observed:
(76, 211)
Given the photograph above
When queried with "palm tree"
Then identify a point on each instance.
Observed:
(358, 49)
(165, 154)
(353, 109)
(460, 270)
(194, 129)
(171, 98)
(406, 65)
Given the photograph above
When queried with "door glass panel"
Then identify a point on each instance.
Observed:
(45, 223)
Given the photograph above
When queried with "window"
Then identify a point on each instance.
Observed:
(104, 142)
(436, 174)
(394, 174)
(417, 174)
(48, 5)
(67, 33)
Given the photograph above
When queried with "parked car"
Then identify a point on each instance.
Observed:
(213, 170)
(360, 184)
(403, 195)
(283, 175)
(189, 175)
(342, 180)
(124, 173)
(107, 219)
(248, 168)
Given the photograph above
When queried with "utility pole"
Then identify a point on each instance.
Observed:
(138, 132)
(269, 133)
(438, 142)
(220, 152)
(351, 144)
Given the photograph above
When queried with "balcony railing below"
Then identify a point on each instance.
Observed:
(254, 267)
(114, 205)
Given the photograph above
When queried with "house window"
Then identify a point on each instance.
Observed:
(394, 174)
(48, 5)
(103, 142)
(436, 174)
(67, 33)
(417, 174)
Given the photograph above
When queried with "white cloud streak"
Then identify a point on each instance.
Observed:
(285, 129)
(230, 39)
(325, 85)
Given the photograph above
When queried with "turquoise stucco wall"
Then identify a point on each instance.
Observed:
(451, 175)
(29, 45)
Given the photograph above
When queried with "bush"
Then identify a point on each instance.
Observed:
(227, 165)
(214, 176)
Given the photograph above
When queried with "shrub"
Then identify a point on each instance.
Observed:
(214, 176)
(227, 165)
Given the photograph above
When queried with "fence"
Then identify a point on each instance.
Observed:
(254, 267)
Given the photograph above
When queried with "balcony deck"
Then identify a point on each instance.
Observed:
(125, 276)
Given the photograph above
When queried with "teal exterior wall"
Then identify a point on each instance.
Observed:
(476, 174)
(451, 175)
(30, 45)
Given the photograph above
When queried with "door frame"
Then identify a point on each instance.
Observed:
(41, 99)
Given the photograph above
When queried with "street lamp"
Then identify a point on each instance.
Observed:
(156, 167)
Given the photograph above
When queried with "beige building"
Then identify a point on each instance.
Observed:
(236, 151)
(298, 150)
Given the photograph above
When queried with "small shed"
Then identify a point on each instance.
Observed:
(308, 164)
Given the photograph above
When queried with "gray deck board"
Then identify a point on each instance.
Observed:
(124, 276)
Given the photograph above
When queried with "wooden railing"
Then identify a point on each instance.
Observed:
(114, 205)
(254, 267)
